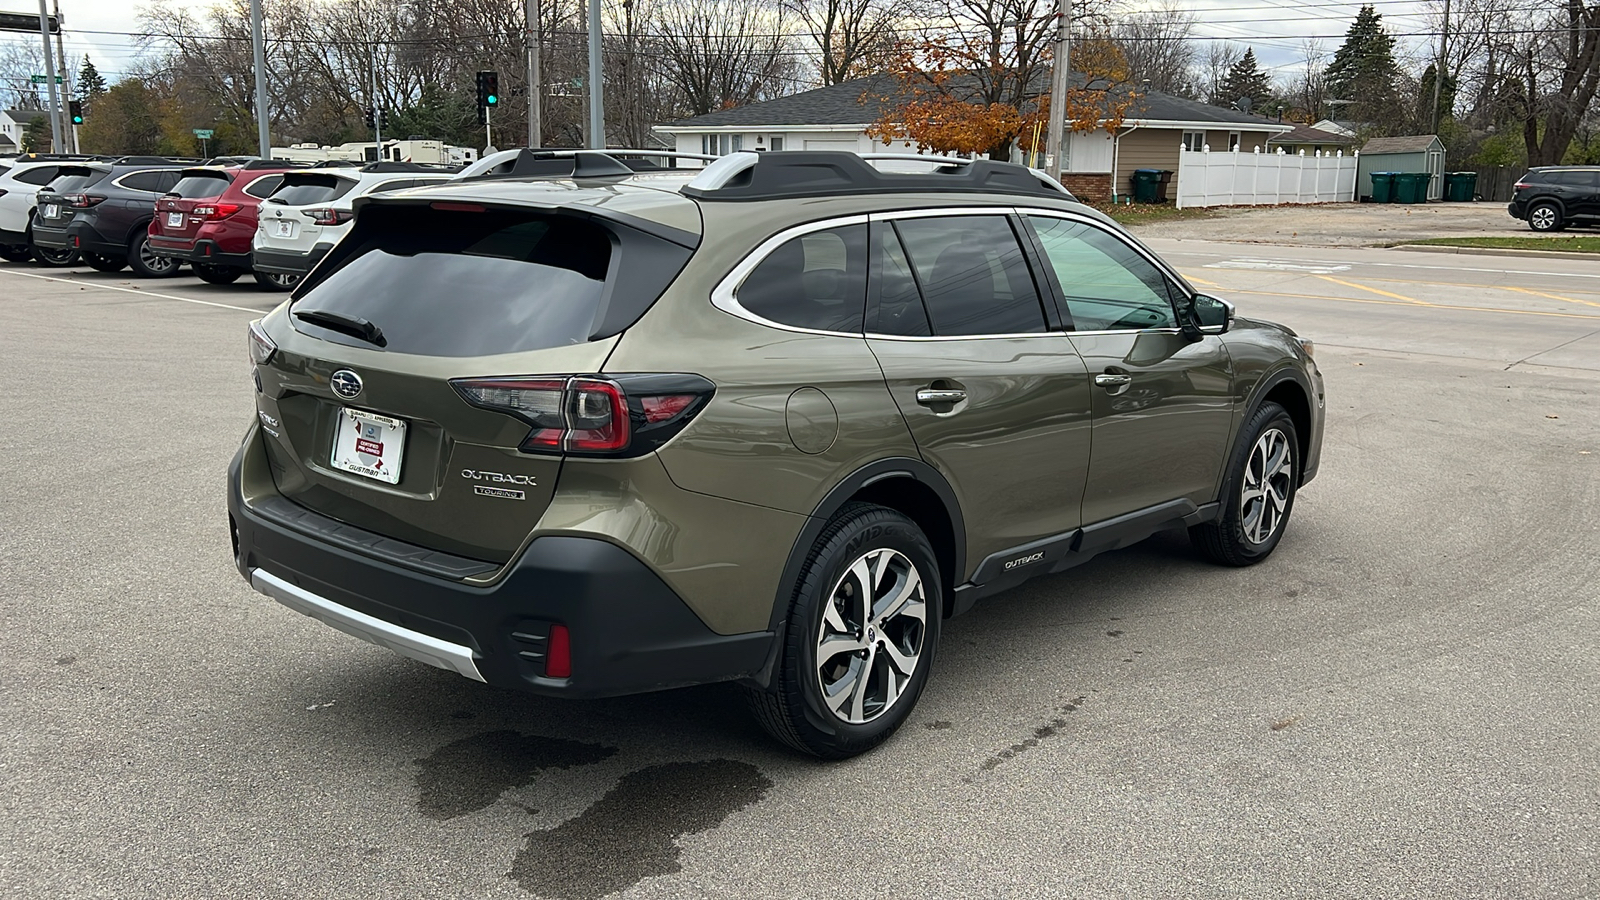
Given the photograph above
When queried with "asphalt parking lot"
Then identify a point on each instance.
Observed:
(1344, 224)
(1401, 702)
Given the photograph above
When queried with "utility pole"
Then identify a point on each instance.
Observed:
(597, 102)
(258, 42)
(530, 12)
(377, 111)
(1438, 69)
(56, 131)
(70, 130)
(1060, 76)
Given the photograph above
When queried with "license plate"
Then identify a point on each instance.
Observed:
(283, 228)
(369, 444)
(175, 220)
(51, 210)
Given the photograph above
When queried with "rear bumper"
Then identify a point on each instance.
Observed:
(629, 632)
(204, 252)
(13, 238)
(288, 262)
(77, 235)
(1517, 209)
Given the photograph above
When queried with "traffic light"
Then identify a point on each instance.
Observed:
(488, 89)
(371, 119)
(76, 108)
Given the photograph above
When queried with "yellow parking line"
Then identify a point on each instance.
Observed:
(1380, 292)
(1482, 309)
(1550, 296)
(1194, 280)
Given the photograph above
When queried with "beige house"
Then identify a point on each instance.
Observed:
(1098, 164)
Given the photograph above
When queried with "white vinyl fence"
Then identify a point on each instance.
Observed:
(1231, 178)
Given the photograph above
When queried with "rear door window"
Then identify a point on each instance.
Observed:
(816, 281)
(303, 190)
(149, 182)
(200, 186)
(973, 275)
(1578, 179)
(443, 283)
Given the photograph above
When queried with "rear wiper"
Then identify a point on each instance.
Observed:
(355, 326)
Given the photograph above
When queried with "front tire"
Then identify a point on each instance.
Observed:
(276, 281)
(217, 274)
(102, 263)
(146, 262)
(1258, 495)
(860, 638)
(1545, 217)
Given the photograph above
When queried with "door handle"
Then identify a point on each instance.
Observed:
(1110, 380)
(931, 397)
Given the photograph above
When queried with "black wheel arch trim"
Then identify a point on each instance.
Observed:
(1258, 396)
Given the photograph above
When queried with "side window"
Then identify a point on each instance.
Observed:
(973, 276)
(393, 185)
(1194, 140)
(41, 175)
(1106, 284)
(264, 186)
(149, 182)
(893, 298)
(168, 180)
(1579, 179)
(817, 281)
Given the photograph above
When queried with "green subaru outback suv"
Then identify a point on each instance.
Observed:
(588, 426)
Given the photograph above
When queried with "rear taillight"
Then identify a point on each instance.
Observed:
(82, 201)
(1521, 186)
(261, 346)
(216, 211)
(329, 216)
(627, 415)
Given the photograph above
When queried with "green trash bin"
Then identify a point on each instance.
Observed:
(1383, 187)
(1410, 187)
(1460, 187)
(1146, 185)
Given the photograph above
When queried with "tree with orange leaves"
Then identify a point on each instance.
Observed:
(984, 85)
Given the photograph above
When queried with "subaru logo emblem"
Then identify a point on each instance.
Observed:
(346, 384)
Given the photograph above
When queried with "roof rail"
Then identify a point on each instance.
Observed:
(391, 166)
(821, 173)
(274, 164)
(609, 163)
(155, 161)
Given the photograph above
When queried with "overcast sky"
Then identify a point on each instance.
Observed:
(1276, 29)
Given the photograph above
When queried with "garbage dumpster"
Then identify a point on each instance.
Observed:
(1411, 187)
(1383, 187)
(1161, 185)
(1146, 184)
(1460, 187)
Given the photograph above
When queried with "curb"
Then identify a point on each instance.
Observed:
(1496, 251)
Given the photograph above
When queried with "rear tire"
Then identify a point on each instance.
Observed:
(217, 274)
(274, 281)
(101, 263)
(56, 259)
(1545, 217)
(860, 637)
(16, 254)
(1258, 495)
(144, 261)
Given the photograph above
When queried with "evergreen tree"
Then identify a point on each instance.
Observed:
(90, 83)
(1247, 82)
(1364, 73)
(36, 136)
(1447, 101)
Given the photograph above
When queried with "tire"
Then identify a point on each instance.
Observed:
(863, 544)
(13, 253)
(56, 259)
(1545, 217)
(217, 274)
(1258, 494)
(146, 263)
(274, 281)
(102, 263)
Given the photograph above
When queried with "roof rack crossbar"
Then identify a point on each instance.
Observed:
(821, 173)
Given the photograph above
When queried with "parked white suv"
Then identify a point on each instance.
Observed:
(18, 187)
(308, 214)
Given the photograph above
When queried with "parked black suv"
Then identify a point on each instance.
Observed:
(1549, 198)
(103, 210)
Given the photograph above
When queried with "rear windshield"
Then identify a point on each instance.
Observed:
(75, 178)
(196, 185)
(302, 190)
(444, 283)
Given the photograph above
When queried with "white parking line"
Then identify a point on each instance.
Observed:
(1391, 265)
(136, 291)
(1277, 266)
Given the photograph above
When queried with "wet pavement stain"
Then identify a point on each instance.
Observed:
(630, 834)
(936, 725)
(470, 774)
(1047, 730)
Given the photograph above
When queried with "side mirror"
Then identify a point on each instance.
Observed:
(1210, 313)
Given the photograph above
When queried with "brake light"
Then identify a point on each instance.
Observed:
(457, 207)
(623, 416)
(82, 201)
(217, 211)
(330, 216)
(558, 656)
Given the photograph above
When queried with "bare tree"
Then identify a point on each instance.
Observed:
(20, 60)
(722, 53)
(1159, 46)
(1218, 58)
(853, 37)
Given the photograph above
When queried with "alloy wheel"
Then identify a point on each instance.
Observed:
(1268, 479)
(871, 637)
(158, 265)
(1542, 218)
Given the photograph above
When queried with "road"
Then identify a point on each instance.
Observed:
(1402, 702)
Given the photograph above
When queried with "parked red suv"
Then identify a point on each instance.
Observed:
(208, 220)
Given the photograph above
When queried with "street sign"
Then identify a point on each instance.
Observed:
(25, 22)
(42, 79)
(204, 134)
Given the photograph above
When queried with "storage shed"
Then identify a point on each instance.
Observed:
(1413, 153)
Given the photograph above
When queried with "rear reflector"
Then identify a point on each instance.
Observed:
(558, 655)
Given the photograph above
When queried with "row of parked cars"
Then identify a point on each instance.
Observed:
(225, 218)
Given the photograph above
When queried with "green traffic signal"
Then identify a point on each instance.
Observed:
(75, 107)
(491, 99)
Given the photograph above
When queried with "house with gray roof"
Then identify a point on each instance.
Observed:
(1098, 164)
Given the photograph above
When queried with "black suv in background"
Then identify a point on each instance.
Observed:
(1550, 198)
(103, 210)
